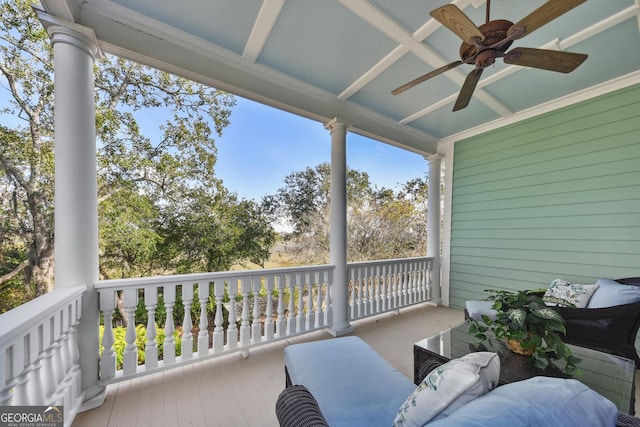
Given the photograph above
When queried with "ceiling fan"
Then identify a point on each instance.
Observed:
(482, 45)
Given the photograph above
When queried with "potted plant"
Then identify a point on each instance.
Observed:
(528, 326)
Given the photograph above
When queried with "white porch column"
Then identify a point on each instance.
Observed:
(433, 225)
(76, 196)
(338, 228)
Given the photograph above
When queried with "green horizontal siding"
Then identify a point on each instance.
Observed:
(554, 196)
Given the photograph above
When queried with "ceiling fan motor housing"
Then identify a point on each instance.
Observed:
(494, 32)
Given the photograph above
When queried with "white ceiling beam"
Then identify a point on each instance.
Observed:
(373, 72)
(265, 21)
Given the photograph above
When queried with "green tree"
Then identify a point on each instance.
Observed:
(147, 181)
(381, 223)
(225, 232)
(26, 150)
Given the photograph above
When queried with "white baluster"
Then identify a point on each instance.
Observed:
(403, 285)
(300, 324)
(386, 288)
(416, 281)
(187, 337)
(232, 330)
(406, 284)
(35, 383)
(268, 322)
(169, 346)
(359, 311)
(75, 373)
(49, 381)
(291, 284)
(256, 326)
(422, 293)
(328, 311)
(366, 295)
(151, 347)
(108, 357)
(311, 316)
(377, 280)
(410, 283)
(6, 377)
(218, 330)
(372, 289)
(281, 321)
(203, 334)
(245, 330)
(66, 337)
(130, 358)
(428, 278)
(58, 364)
(395, 288)
(18, 373)
(319, 318)
(353, 290)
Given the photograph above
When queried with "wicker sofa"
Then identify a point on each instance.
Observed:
(608, 329)
(344, 382)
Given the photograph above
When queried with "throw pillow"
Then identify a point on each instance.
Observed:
(449, 387)
(563, 293)
(611, 293)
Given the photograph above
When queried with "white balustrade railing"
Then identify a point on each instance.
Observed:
(379, 286)
(261, 306)
(214, 314)
(39, 359)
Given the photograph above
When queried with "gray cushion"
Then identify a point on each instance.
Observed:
(536, 402)
(477, 308)
(611, 293)
(353, 385)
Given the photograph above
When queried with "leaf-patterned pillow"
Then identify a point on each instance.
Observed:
(563, 293)
(449, 387)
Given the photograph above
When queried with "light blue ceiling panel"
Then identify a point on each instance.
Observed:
(324, 44)
(222, 22)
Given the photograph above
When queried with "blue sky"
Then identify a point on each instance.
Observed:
(262, 145)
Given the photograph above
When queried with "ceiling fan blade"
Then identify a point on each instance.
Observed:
(468, 87)
(541, 16)
(426, 77)
(552, 60)
(455, 20)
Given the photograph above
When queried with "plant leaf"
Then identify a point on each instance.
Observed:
(517, 316)
(548, 313)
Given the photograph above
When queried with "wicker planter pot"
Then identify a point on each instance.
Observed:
(516, 347)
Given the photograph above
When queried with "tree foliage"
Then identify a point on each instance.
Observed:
(381, 223)
(161, 207)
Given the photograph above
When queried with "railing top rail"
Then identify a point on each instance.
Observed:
(388, 261)
(199, 277)
(21, 318)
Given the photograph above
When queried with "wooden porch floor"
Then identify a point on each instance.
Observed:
(232, 391)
